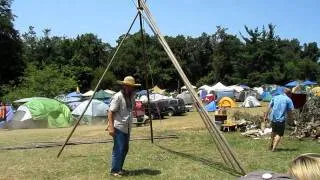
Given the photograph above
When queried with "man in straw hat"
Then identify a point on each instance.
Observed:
(119, 123)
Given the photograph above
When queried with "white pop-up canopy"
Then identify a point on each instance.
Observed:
(220, 87)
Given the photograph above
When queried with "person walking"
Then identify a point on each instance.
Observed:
(119, 123)
(278, 109)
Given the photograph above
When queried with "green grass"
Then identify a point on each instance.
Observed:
(192, 156)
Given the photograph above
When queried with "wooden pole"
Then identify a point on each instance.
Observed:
(146, 69)
(97, 86)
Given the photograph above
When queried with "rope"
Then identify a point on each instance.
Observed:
(55, 144)
(97, 86)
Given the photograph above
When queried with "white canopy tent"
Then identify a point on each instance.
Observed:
(185, 88)
(236, 88)
(205, 87)
(220, 87)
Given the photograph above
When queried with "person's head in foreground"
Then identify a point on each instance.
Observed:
(129, 85)
(306, 167)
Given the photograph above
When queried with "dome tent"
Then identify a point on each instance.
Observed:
(211, 107)
(251, 101)
(95, 108)
(41, 113)
(226, 102)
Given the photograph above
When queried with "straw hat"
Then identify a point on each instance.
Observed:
(129, 81)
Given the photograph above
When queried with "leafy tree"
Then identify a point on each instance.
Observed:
(46, 82)
(10, 46)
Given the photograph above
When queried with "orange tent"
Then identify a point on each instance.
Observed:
(226, 102)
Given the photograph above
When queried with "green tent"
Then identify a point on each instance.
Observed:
(53, 112)
(102, 95)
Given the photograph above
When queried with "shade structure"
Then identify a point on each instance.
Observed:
(308, 83)
(292, 84)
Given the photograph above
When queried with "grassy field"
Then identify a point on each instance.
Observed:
(192, 156)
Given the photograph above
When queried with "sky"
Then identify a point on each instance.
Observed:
(109, 19)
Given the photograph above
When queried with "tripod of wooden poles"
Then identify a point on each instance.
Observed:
(221, 143)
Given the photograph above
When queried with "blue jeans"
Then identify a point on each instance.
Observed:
(120, 150)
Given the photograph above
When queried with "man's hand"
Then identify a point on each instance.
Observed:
(111, 131)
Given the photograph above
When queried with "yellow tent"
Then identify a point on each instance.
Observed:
(156, 89)
(316, 91)
(226, 102)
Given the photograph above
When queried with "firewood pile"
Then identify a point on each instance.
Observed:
(307, 122)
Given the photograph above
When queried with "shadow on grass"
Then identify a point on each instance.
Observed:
(286, 149)
(138, 172)
(216, 165)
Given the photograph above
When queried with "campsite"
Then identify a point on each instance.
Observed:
(89, 92)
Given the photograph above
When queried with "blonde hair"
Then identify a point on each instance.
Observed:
(306, 167)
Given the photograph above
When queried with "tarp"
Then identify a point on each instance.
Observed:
(158, 90)
(308, 83)
(96, 108)
(109, 91)
(74, 94)
(251, 101)
(226, 102)
(88, 93)
(211, 107)
(24, 100)
(186, 96)
(292, 84)
(51, 111)
(101, 94)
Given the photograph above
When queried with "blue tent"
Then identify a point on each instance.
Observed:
(266, 96)
(292, 84)
(74, 94)
(142, 92)
(308, 83)
(211, 107)
(203, 93)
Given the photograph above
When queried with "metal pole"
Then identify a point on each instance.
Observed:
(146, 69)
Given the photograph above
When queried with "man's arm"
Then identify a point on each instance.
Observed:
(110, 127)
(267, 113)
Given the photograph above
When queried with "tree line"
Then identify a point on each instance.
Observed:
(47, 65)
